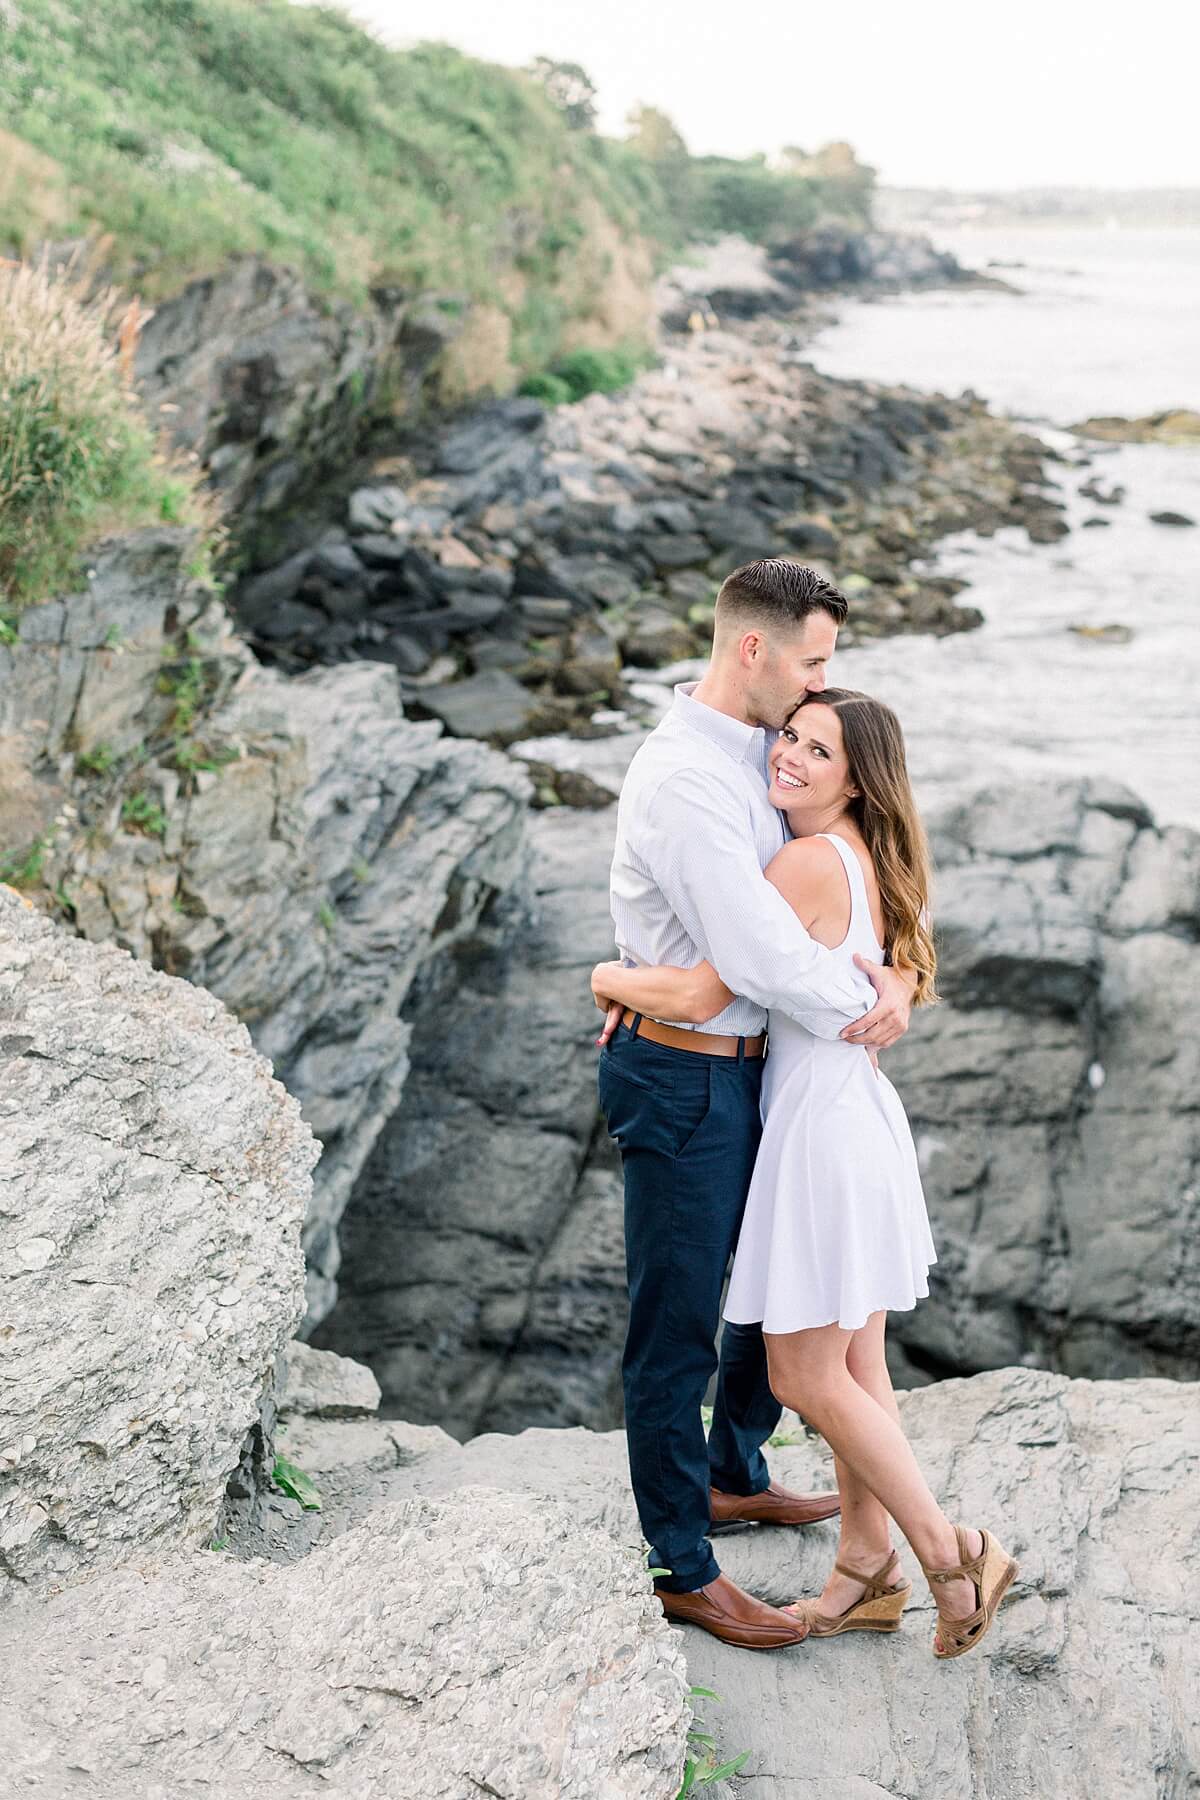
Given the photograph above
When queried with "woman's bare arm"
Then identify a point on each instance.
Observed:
(663, 992)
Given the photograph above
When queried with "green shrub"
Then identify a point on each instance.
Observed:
(77, 457)
(24, 868)
(583, 372)
(552, 390)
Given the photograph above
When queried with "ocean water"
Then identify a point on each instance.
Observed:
(1108, 322)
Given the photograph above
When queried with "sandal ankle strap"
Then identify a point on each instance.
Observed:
(969, 1568)
(875, 1585)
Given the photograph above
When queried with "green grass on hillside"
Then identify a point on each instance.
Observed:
(189, 129)
(77, 457)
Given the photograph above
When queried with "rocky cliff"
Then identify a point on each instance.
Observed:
(299, 847)
(1052, 1095)
(435, 1620)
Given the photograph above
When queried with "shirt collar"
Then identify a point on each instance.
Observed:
(736, 739)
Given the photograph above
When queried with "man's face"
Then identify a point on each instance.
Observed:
(787, 665)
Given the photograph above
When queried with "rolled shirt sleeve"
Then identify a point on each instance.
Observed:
(711, 877)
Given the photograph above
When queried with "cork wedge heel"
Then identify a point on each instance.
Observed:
(878, 1610)
(992, 1573)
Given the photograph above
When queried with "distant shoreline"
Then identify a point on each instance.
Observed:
(912, 208)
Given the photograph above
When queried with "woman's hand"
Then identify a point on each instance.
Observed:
(692, 996)
(603, 976)
(604, 980)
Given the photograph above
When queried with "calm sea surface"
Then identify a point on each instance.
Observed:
(1109, 322)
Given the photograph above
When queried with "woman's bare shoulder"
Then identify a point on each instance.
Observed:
(809, 865)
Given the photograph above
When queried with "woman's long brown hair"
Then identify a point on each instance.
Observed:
(886, 813)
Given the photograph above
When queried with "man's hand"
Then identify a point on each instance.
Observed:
(888, 1022)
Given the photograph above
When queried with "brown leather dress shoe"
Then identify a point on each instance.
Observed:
(734, 1616)
(774, 1506)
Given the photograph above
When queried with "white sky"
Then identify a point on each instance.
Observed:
(932, 92)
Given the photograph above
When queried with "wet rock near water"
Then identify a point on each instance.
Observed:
(1178, 426)
(530, 559)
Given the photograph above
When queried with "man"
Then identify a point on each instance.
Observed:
(694, 832)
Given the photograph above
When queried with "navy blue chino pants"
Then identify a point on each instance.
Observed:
(687, 1126)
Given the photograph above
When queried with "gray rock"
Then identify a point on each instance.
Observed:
(1087, 1685)
(676, 550)
(482, 1271)
(654, 637)
(156, 1177)
(305, 881)
(489, 434)
(268, 383)
(492, 704)
(374, 508)
(1051, 1094)
(321, 1385)
(481, 1643)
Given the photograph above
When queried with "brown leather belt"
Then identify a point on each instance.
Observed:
(706, 1043)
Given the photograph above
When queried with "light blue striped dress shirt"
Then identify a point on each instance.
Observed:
(695, 830)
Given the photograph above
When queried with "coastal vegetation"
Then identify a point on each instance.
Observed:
(163, 137)
(181, 132)
(77, 457)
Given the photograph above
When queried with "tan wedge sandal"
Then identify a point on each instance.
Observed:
(878, 1610)
(992, 1573)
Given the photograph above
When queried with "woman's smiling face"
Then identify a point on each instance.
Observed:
(809, 766)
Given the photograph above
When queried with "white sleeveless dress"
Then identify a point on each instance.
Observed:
(835, 1226)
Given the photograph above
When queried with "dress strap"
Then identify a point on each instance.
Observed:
(860, 908)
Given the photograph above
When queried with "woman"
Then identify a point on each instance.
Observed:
(835, 1233)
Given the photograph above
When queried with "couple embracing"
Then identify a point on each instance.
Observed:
(770, 862)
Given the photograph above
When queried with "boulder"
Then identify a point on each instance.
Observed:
(492, 704)
(320, 1385)
(654, 637)
(156, 1179)
(480, 1643)
(1088, 1684)
(1050, 1092)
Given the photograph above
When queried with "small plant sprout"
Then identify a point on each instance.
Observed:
(702, 1764)
(141, 813)
(294, 1482)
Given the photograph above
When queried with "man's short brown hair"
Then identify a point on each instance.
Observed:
(775, 591)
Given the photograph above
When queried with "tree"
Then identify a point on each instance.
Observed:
(654, 136)
(570, 88)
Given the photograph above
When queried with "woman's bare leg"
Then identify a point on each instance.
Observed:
(866, 1528)
(810, 1372)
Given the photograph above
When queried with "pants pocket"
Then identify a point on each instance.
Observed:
(691, 1106)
